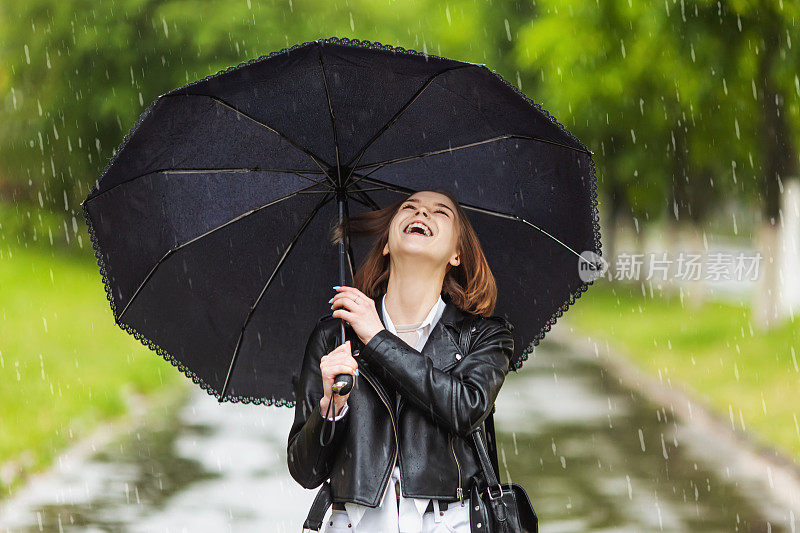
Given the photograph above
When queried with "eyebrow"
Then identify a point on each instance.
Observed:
(437, 203)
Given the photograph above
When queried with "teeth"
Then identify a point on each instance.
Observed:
(420, 225)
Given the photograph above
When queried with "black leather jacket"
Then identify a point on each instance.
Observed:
(445, 392)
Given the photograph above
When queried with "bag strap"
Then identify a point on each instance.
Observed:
(486, 466)
(491, 441)
(318, 509)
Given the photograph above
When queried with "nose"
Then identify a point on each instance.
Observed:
(420, 209)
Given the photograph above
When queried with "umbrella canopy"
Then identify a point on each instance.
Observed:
(210, 223)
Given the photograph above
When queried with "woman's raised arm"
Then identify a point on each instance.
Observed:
(459, 400)
(310, 463)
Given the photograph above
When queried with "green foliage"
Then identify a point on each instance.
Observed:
(663, 91)
(713, 351)
(64, 363)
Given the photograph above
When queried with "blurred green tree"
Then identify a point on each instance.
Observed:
(693, 104)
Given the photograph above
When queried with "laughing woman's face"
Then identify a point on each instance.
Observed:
(425, 227)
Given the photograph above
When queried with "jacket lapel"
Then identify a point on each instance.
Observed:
(442, 344)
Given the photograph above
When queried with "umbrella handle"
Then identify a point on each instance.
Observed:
(342, 384)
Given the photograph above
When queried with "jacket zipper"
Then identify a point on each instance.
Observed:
(394, 430)
(459, 490)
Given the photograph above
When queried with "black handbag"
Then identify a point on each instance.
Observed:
(496, 507)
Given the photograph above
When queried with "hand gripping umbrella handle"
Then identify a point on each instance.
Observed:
(342, 383)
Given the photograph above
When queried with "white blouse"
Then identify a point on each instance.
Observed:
(409, 516)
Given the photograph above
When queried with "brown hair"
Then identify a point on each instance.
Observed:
(470, 285)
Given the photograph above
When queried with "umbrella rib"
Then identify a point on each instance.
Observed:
(360, 177)
(401, 189)
(469, 145)
(318, 182)
(190, 241)
(266, 286)
(315, 158)
(350, 260)
(333, 118)
(207, 171)
(397, 115)
(365, 199)
(362, 202)
(372, 189)
(316, 192)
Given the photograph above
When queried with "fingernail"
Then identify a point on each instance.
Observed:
(335, 287)
(330, 301)
(356, 372)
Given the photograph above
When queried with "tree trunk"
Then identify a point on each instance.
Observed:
(765, 303)
(779, 162)
(789, 260)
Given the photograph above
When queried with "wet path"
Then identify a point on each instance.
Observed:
(593, 456)
(200, 467)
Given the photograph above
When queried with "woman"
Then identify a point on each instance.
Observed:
(433, 362)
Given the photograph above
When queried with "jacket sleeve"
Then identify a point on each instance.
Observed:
(459, 400)
(310, 463)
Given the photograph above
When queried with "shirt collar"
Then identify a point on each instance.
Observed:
(433, 315)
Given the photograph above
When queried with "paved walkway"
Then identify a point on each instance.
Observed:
(593, 453)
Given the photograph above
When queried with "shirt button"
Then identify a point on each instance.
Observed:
(458, 356)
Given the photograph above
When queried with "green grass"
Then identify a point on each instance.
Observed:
(64, 363)
(740, 372)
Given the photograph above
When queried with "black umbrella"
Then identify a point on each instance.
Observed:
(210, 223)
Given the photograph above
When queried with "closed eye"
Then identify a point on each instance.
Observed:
(437, 211)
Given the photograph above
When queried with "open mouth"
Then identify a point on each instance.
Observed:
(418, 228)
